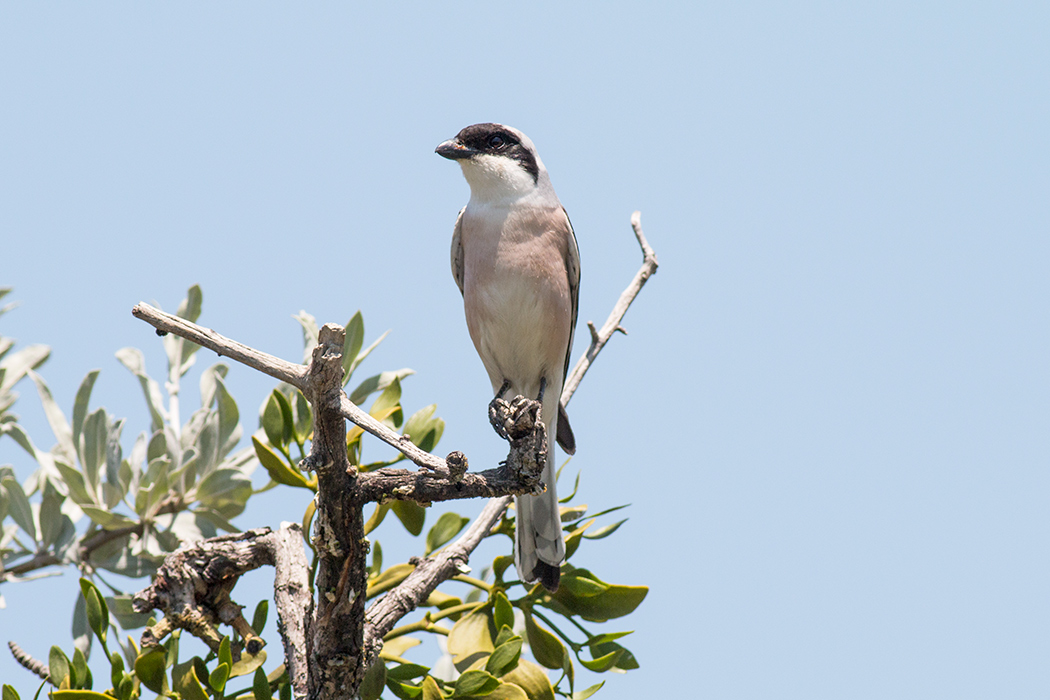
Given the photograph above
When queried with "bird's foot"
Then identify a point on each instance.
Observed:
(515, 419)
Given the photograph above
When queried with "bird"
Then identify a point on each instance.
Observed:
(517, 264)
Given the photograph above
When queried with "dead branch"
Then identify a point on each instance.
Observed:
(612, 324)
(193, 588)
(428, 575)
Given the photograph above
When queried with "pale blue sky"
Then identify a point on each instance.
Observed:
(831, 413)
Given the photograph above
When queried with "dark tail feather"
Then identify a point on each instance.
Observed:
(548, 575)
(566, 439)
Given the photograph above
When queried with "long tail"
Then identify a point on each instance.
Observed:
(539, 546)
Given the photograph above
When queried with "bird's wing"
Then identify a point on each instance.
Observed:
(572, 267)
(457, 253)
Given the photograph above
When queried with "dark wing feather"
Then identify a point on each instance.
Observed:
(572, 266)
(457, 253)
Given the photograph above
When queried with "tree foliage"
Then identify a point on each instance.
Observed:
(94, 506)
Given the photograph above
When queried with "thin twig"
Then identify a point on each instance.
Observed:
(205, 337)
(349, 410)
(431, 572)
(612, 324)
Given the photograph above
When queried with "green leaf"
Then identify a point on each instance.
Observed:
(355, 338)
(405, 672)
(58, 668)
(18, 506)
(51, 517)
(217, 678)
(431, 689)
(501, 563)
(387, 407)
(304, 418)
(277, 468)
(568, 514)
(76, 695)
(116, 669)
(261, 686)
(505, 657)
(80, 404)
(372, 684)
(17, 364)
(502, 612)
(229, 418)
(532, 679)
(605, 531)
(208, 382)
(120, 607)
(80, 669)
(424, 429)
(132, 359)
(575, 487)
(470, 639)
(248, 663)
(377, 559)
(582, 587)
(81, 631)
(107, 519)
(584, 694)
(546, 648)
(97, 610)
(225, 655)
(287, 419)
(93, 449)
(225, 490)
(273, 420)
(603, 663)
(78, 490)
(389, 578)
(411, 514)
(190, 307)
(367, 351)
(594, 605)
(149, 667)
(376, 383)
(259, 618)
(10, 693)
(185, 682)
(55, 418)
(377, 516)
(625, 661)
(475, 683)
(507, 691)
(447, 526)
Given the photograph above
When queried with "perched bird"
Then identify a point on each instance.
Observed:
(515, 260)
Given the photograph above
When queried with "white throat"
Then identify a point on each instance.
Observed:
(496, 179)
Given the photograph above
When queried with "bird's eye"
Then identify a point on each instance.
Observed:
(496, 141)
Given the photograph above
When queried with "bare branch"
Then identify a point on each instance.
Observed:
(612, 324)
(193, 588)
(294, 601)
(519, 420)
(429, 574)
(205, 337)
(349, 410)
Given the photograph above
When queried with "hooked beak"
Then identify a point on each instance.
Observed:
(453, 150)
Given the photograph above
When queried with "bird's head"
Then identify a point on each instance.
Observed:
(499, 162)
